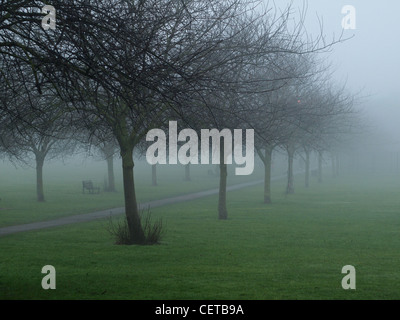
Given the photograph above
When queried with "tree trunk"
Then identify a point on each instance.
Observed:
(131, 207)
(39, 177)
(187, 172)
(290, 182)
(307, 177)
(337, 165)
(223, 174)
(267, 174)
(333, 166)
(154, 175)
(320, 166)
(111, 177)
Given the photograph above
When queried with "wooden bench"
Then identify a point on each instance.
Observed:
(88, 185)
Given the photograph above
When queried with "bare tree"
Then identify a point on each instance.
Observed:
(46, 136)
(155, 52)
(125, 66)
(105, 143)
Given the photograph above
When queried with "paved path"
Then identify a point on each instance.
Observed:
(117, 211)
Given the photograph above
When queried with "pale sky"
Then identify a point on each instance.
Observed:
(369, 61)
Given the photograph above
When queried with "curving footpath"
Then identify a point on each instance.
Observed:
(117, 211)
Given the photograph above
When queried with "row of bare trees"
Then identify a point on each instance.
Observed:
(112, 70)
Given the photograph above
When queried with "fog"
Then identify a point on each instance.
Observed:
(285, 231)
(368, 62)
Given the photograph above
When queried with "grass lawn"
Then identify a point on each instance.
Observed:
(63, 189)
(292, 249)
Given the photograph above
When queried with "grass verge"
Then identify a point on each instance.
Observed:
(292, 249)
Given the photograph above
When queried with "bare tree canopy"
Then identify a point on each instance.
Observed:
(120, 68)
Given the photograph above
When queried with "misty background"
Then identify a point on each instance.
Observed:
(366, 61)
(369, 61)
(332, 153)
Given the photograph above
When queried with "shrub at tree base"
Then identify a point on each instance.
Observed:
(153, 230)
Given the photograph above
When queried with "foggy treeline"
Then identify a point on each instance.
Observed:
(112, 70)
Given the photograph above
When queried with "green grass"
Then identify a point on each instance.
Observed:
(63, 189)
(292, 249)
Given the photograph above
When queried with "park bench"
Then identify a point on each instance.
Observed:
(88, 185)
